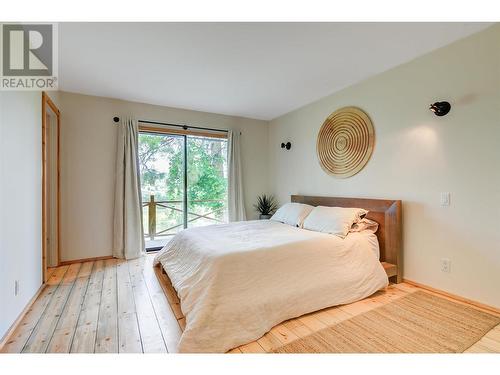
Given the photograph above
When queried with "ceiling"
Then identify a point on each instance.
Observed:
(256, 70)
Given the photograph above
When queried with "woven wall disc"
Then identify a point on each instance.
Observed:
(345, 142)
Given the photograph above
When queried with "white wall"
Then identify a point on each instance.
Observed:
(88, 143)
(418, 155)
(20, 202)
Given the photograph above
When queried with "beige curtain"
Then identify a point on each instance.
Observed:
(236, 204)
(128, 236)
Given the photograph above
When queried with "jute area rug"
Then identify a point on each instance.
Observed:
(417, 323)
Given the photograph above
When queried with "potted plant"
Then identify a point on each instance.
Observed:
(266, 206)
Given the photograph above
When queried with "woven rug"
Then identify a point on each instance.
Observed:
(417, 323)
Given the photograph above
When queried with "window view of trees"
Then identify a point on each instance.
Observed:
(207, 180)
(161, 162)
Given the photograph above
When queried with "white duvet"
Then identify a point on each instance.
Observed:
(236, 281)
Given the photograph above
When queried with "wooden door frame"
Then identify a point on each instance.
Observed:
(47, 102)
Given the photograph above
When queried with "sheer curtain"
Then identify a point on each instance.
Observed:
(236, 205)
(128, 236)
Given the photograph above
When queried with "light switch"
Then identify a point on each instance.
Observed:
(445, 199)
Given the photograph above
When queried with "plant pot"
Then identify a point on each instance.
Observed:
(264, 217)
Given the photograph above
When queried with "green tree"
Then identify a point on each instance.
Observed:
(155, 150)
(206, 179)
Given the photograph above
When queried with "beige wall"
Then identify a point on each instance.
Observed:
(20, 202)
(418, 155)
(88, 142)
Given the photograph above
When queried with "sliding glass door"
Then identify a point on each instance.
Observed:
(183, 183)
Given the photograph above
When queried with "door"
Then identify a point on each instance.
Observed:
(50, 185)
(183, 183)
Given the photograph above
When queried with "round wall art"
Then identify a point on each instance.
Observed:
(345, 142)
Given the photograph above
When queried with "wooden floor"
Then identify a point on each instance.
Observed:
(116, 306)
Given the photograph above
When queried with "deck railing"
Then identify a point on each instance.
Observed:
(153, 205)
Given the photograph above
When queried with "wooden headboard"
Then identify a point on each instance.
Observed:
(387, 213)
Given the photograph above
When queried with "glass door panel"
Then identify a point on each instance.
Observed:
(206, 181)
(183, 183)
(161, 163)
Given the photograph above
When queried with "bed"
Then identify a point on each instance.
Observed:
(236, 281)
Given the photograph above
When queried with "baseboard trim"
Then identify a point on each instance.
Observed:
(19, 319)
(454, 296)
(67, 262)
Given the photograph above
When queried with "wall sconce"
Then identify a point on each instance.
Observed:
(440, 108)
(287, 145)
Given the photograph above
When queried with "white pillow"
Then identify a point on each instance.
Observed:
(334, 220)
(292, 214)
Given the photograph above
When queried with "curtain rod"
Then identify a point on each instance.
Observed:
(185, 127)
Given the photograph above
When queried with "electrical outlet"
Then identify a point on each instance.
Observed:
(16, 287)
(445, 199)
(445, 265)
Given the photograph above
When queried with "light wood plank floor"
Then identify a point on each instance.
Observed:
(116, 306)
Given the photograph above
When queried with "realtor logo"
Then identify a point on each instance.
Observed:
(29, 58)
